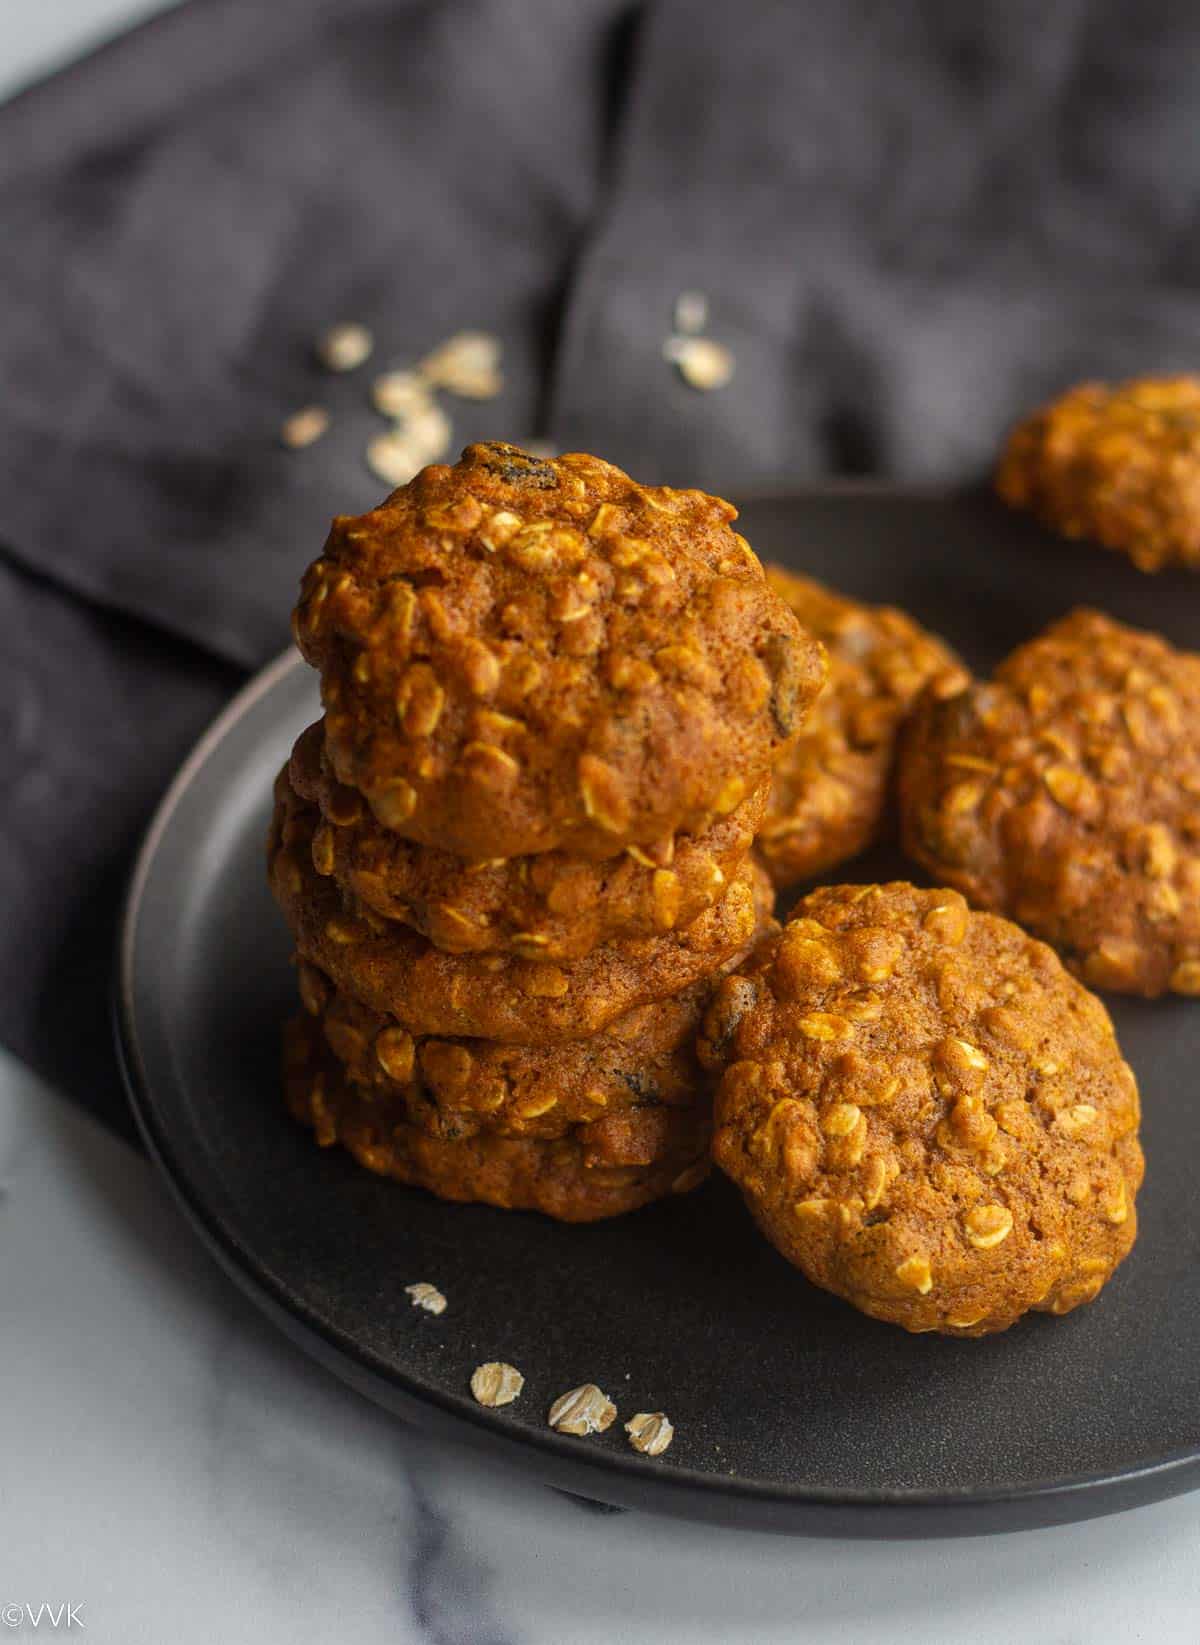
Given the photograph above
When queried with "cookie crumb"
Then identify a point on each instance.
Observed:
(426, 1296)
(585, 1410)
(344, 347)
(650, 1432)
(496, 1383)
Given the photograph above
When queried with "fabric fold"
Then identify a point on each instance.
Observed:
(186, 212)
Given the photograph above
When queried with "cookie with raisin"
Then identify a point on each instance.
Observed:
(399, 973)
(521, 654)
(601, 1168)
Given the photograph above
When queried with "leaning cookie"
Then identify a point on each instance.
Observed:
(519, 655)
(400, 974)
(1065, 793)
(1118, 463)
(602, 1169)
(552, 906)
(925, 1112)
(830, 796)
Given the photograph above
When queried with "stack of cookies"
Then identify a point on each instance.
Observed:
(515, 853)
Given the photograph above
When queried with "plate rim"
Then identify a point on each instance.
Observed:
(560, 1460)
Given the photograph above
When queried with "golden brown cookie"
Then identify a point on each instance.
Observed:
(600, 1169)
(457, 1087)
(1066, 793)
(553, 906)
(399, 973)
(1119, 463)
(831, 790)
(925, 1112)
(519, 655)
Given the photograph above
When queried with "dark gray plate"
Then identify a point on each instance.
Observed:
(792, 1411)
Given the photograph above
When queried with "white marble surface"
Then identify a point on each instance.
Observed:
(39, 36)
(169, 1462)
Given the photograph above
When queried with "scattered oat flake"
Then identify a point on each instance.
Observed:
(467, 364)
(344, 347)
(477, 385)
(303, 427)
(400, 394)
(426, 1296)
(701, 362)
(585, 1410)
(691, 312)
(650, 1432)
(428, 430)
(394, 459)
(496, 1383)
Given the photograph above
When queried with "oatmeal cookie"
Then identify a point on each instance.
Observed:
(599, 1169)
(552, 906)
(457, 1087)
(1066, 793)
(831, 786)
(520, 655)
(925, 1112)
(1119, 463)
(399, 973)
